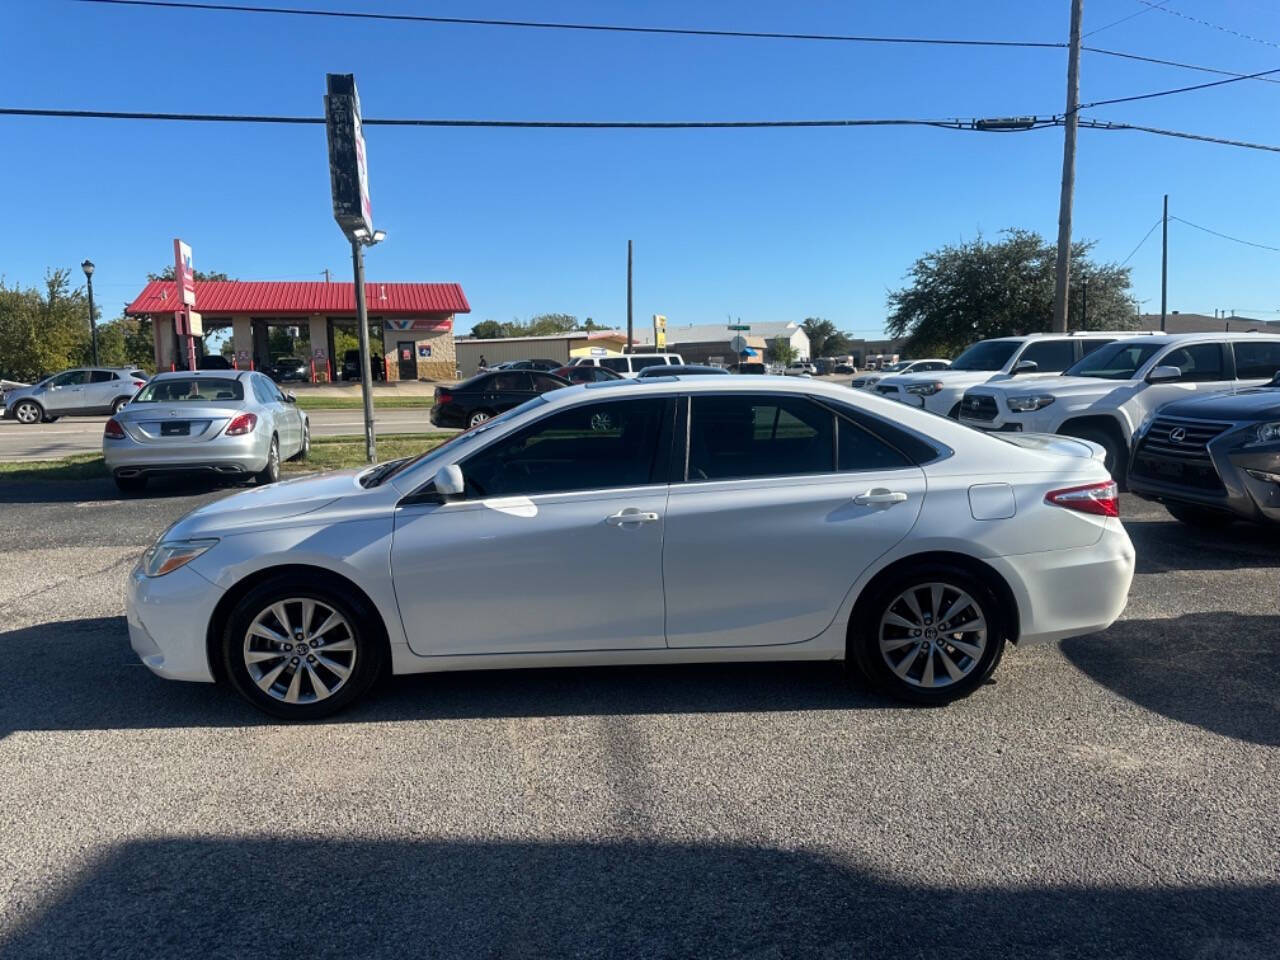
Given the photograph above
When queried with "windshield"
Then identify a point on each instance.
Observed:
(184, 389)
(1116, 361)
(895, 367)
(986, 355)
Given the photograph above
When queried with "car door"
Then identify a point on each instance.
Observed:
(64, 394)
(284, 416)
(507, 389)
(785, 504)
(1203, 369)
(103, 387)
(556, 545)
(1256, 361)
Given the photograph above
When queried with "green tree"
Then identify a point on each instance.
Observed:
(976, 290)
(487, 330)
(42, 331)
(781, 351)
(824, 339)
(546, 324)
(167, 274)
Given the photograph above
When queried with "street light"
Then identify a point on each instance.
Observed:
(87, 267)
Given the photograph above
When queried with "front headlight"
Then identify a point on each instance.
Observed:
(1028, 403)
(1266, 432)
(167, 556)
(925, 389)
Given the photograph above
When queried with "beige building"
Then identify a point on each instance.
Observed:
(561, 347)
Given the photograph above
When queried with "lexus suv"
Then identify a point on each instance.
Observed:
(991, 361)
(1211, 460)
(1108, 394)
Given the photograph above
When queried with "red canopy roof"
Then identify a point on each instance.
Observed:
(263, 299)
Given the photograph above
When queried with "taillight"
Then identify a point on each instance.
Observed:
(443, 396)
(1101, 499)
(113, 430)
(242, 424)
(139, 384)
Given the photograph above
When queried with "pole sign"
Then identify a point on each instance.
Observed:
(184, 273)
(348, 164)
(659, 331)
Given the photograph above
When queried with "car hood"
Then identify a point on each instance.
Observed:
(1060, 386)
(1261, 403)
(259, 505)
(14, 393)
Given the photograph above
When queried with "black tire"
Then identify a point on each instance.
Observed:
(1117, 457)
(50, 420)
(305, 450)
(884, 599)
(271, 472)
(131, 484)
(28, 412)
(477, 417)
(119, 404)
(1202, 517)
(365, 664)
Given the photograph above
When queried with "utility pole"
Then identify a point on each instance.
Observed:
(629, 330)
(1164, 267)
(326, 274)
(362, 332)
(1063, 279)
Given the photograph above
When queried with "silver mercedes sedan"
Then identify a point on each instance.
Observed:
(219, 422)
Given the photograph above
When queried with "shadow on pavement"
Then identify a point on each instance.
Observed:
(264, 897)
(82, 675)
(104, 489)
(1219, 671)
(1164, 545)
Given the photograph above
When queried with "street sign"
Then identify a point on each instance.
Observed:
(739, 326)
(184, 273)
(348, 164)
(738, 343)
(660, 331)
(195, 324)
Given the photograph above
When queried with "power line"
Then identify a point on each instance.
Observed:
(1205, 23)
(1168, 93)
(1115, 23)
(551, 25)
(1180, 134)
(1224, 236)
(1121, 54)
(1142, 241)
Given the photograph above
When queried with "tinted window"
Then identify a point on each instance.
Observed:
(71, 378)
(639, 363)
(987, 355)
(190, 389)
(859, 450)
(616, 364)
(1050, 356)
(1198, 363)
(507, 382)
(102, 376)
(588, 447)
(1257, 361)
(542, 384)
(138, 375)
(1116, 361)
(1088, 346)
(759, 436)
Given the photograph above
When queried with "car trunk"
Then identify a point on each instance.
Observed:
(1053, 443)
(176, 422)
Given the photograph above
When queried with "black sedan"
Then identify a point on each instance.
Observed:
(284, 369)
(586, 374)
(474, 401)
(1213, 459)
(537, 363)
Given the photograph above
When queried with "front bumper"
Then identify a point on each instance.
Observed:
(221, 455)
(168, 617)
(1246, 496)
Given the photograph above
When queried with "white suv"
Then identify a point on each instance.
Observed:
(990, 361)
(1107, 395)
(629, 364)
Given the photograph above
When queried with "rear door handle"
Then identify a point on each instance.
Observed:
(880, 496)
(630, 515)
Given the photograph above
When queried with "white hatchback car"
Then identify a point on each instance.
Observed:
(628, 522)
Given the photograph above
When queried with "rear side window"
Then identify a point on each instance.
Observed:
(859, 450)
(616, 364)
(738, 437)
(102, 376)
(1257, 360)
(1088, 346)
(542, 384)
(639, 363)
(504, 382)
(1199, 363)
(1050, 356)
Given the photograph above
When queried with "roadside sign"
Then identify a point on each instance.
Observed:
(739, 326)
(738, 343)
(348, 164)
(660, 331)
(184, 273)
(195, 324)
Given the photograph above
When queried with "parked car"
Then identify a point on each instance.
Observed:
(871, 378)
(1105, 396)
(214, 361)
(85, 391)
(630, 364)
(286, 369)
(1214, 459)
(753, 367)
(351, 366)
(586, 374)
(845, 368)
(801, 368)
(486, 395)
(993, 361)
(680, 370)
(915, 548)
(535, 364)
(229, 425)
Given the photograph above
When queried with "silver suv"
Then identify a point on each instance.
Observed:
(84, 391)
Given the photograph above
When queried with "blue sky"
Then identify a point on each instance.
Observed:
(762, 225)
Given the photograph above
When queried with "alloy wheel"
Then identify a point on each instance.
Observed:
(933, 635)
(477, 418)
(299, 651)
(27, 413)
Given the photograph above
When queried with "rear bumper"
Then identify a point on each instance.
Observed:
(168, 617)
(221, 455)
(1068, 593)
(448, 415)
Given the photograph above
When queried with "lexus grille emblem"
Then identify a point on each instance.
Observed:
(1177, 434)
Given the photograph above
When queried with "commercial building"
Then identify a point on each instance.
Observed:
(713, 342)
(411, 324)
(561, 347)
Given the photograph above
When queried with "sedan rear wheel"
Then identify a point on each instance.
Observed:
(271, 472)
(300, 652)
(478, 417)
(28, 412)
(931, 635)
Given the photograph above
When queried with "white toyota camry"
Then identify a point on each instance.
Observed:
(694, 519)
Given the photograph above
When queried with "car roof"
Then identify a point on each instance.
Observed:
(211, 374)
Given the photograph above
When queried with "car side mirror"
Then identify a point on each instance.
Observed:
(1025, 366)
(290, 398)
(449, 482)
(1164, 374)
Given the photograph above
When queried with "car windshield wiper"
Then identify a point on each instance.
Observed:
(380, 473)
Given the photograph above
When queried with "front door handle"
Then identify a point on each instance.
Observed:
(630, 515)
(880, 496)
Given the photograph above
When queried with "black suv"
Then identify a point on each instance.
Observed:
(474, 401)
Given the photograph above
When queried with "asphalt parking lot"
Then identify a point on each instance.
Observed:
(1109, 796)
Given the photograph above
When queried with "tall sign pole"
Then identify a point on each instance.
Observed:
(349, 180)
(1063, 276)
(629, 328)
(184, 273)
(1164, 266)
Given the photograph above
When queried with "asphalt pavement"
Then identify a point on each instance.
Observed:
(1108, 796)
(71, 435)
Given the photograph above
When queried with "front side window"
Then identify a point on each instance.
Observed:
(1088, 346)
(736, 437)
(1050, 356)
(639, 363)
(986, 355)
(1257, 360)
(190, 390)
(593, 446)
(1199, 363)
(508, 382)
(616, 364)
(72, 378)
(1116, 361)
